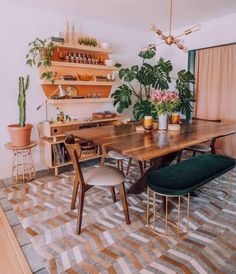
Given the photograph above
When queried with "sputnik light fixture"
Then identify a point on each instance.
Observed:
(169, 39)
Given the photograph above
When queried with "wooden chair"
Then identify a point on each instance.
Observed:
(205, 147)
(101, 176)
(120, 161)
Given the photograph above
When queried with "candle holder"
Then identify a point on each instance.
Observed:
(148, 123)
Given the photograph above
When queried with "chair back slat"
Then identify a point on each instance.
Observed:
(74, 151)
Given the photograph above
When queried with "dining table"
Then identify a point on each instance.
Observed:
(160, 147)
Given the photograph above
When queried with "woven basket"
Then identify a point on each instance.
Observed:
(88, 153)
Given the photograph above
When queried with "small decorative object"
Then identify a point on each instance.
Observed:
(175, 118)
(60, 117)
(20, 133)
(164, 102)
(104, 114)
(71, 91)
(85, 77)
(101, 78)
(109, 62)
(88, 41)
(70, 78)
(148, 123)
(105, 45)
(173, 127)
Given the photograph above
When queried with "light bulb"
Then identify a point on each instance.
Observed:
(153, 27)
(196, 28)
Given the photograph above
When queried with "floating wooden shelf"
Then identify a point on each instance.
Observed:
(82, 47)
(85, 100)
(84, 66)
(79, 83)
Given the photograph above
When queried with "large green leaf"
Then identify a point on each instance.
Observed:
(185, 78)
(143, 108)
(161, 74)
(147, 54)
(127, 74)
(122, 97)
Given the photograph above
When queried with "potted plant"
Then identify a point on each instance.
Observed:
(40, 54)
(165, 103)
(141, 81)
(20, 133)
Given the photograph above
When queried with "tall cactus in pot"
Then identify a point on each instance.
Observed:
(23, 87)
(20, 133)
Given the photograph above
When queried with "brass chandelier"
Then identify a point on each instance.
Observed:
(169, 39)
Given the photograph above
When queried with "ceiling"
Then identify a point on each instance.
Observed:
(140, 13)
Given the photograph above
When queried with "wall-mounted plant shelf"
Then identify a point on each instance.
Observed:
(79, 83)
(82, 48)
(84, 66)
(81, 101)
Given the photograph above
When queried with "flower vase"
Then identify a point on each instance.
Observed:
(162, 121)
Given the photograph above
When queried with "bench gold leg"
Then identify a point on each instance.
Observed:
(230, 184)
(154, 209)
(179, 209)
(148, 205)
(166, 230)
(188, 212)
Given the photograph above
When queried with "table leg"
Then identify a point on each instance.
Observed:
(158, 163)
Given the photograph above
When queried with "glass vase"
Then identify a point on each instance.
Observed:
(162, 121)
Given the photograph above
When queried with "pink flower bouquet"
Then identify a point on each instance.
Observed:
(165, 102)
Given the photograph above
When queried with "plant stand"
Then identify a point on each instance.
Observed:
(23, 168)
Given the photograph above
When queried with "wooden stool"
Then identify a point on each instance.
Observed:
(23, 168)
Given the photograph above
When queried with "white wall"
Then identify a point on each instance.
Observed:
(215, 32)
(19, 25)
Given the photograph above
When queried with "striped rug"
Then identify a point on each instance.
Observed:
(108, 245)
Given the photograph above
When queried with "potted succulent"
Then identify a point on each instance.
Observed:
(39, 54)
(20, 133)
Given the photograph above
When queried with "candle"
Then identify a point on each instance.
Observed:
(148, 123)
(175, 118)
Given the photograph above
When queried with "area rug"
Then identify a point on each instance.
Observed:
(107, 244)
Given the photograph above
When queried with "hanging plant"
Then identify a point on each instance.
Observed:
(39, 54)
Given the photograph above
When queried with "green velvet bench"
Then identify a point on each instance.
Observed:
(181, 179)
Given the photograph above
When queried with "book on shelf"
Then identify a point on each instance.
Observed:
(56, 156)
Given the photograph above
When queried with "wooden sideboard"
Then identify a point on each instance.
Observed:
(52, 136)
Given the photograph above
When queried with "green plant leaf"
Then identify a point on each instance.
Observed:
(147, 54)
(143, 108)
(122, 97)
(185, 78)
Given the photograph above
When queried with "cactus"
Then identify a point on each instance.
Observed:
(23, 86)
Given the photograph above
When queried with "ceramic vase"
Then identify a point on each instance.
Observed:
(162, 121)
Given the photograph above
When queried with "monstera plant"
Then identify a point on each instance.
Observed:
(141, 80)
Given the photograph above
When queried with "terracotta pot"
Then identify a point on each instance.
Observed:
(20, 136)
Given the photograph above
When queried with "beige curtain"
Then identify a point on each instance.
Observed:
(216, 89)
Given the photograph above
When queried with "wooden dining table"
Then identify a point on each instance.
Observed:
(161, 147)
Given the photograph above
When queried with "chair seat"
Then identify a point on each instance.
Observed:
(190, 174)
(116, 155)
(103, 176)
(201, 147)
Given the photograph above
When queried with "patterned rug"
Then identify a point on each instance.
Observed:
(108, 245)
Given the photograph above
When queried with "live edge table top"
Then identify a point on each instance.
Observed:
(146, 146)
